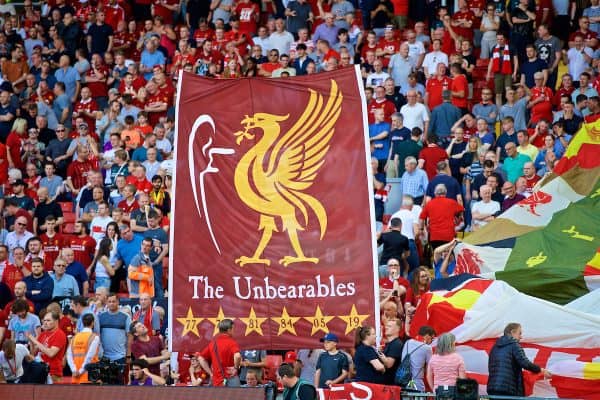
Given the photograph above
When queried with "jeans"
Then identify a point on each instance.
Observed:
(413, 259)
(102, 281)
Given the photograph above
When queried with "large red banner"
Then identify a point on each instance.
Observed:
(272, 221)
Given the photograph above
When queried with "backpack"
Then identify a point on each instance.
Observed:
(34, 372)
(404, 373)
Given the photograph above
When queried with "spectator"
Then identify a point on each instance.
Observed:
(511, 196)
(367, 359)
(444, 116)
(439, 213)
(414, 180)
(114, 328)
(11, 360)
(141, 375)
(484, 210)
(445, 366)
(221, 358)
(294, 386)
(65, 285)
(420, 355)
(332, 365)
(51, 344)
(506, 361)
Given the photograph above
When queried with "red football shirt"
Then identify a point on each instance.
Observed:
(83, 249)
(441, 211)
(56, 338)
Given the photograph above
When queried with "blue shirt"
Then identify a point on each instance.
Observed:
(126, 250)
(449, 270)
(77, 270)
(376, 129)
(149, 60)
(70, 77)
(451, 184)
(113, 334)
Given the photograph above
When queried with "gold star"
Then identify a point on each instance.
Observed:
(319, 322)
(286, 323)
(253, 323)
(190, 323)
(353, 320)
(215, 321)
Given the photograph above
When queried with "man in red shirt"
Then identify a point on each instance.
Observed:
(52, 242)
(86, 108)
(95, 79)
(459, 87)
(380, 101)
(431, 155)
(78, 170)
(439, 214)
(113, 13)
(165, 10)
(139, 180)
(463, 21)
(248, 13)
(387, 46)
(436, 85)
(82, 244)
(222, 356)
(51, 345)
(530, 176)
(20, 290)
(156, 104)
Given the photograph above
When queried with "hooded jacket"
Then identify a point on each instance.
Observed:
(506, 362)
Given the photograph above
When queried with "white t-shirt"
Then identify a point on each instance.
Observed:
(414, 116)
(484, 208)
(409, 218)
(375, 79)
(98, 227)
(432, 59)
(15, 364)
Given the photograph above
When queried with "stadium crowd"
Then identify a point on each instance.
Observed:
(470, 103)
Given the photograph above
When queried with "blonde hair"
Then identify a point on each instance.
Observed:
(20, 126)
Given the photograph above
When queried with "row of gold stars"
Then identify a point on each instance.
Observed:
(285, 321)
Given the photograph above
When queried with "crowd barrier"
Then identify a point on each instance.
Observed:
(93, 392)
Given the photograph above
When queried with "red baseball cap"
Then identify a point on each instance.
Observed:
(290, 357)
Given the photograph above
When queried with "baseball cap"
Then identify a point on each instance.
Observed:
(330, 337)
(290, 357)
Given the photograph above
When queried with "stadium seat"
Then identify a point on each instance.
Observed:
(66, 206)
(482, 62)
(69, 217)
(273, 362)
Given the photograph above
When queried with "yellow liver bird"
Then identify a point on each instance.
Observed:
(272, 177)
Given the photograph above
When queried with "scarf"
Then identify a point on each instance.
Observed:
(506, 68)
(147, 319)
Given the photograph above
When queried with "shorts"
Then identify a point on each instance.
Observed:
(501, 82)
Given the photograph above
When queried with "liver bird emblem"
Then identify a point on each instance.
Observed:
(272, 177)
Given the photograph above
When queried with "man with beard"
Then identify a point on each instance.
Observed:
(39, 285)
(82, 244)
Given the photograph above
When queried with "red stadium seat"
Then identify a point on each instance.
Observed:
(69, 217)
(482, 62)
(66, 206)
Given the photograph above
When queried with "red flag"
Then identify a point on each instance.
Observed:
(272, 216)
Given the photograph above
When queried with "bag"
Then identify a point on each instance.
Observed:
(445, 392)
(404, 373)
(34, 372)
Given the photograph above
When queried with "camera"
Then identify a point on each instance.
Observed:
(105, 372)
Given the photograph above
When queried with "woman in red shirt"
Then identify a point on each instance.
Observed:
(418, 286)
(14, 143)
